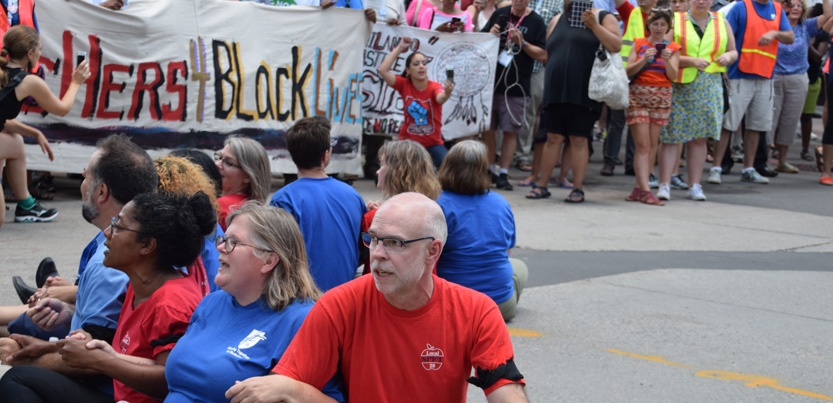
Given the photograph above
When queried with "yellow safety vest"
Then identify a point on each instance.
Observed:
(713, 44)
(635, 29)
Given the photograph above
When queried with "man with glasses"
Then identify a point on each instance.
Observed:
(118, 171)
(401, 333)
(328, 211)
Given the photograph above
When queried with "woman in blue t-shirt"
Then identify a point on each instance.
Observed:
(242, 330)
(481, 230)
(790, 82)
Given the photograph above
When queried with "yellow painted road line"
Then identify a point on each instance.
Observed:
(514, 331)
(749, 380)
(654, 358)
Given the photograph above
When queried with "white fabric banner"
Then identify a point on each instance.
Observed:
(187, 73)
(473, 56)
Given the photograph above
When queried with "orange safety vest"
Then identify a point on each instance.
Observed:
(754, 58)
(25, 12)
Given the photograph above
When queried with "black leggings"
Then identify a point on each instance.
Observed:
(828, 128)
(26, 384)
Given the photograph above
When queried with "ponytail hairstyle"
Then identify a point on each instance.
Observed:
(17, 42)
(408, 62)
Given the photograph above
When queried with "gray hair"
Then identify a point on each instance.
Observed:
(254, 162)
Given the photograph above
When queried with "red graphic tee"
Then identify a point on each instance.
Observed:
(423, 115)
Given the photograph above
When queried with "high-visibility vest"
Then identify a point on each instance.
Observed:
(25, 13)
(635, 29)
(754, 58)
(709, 47)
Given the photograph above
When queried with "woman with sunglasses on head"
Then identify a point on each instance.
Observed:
(246, 172)
(481, 230)
(152, 236)
(423, 99)
(790, 82)
(21, 50)
(652, 64)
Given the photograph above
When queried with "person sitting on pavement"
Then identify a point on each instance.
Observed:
(181, 176)
(401, 333)
(21, 50)
(405, 167)
(266, 293)
(117, 171)
(151, 237)
(244, 166)
(328, 211)
(481, 230)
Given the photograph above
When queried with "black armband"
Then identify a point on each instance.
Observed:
(100, 332)
(487, 377)
(166, 340)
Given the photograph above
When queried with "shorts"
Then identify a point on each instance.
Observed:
(813, 92)
(508, 113)
(571, 120)
(649, 104)
(752, 97)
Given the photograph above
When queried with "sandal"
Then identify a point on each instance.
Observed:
(805, 155)
(636, 195)
(40, 194)
(565, 184)
(524, 166)
(538, 192)
(826, 180)
(526, 182)
(649, 198)
(819, 158)
(576, 196)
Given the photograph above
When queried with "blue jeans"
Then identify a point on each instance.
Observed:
(437, 153)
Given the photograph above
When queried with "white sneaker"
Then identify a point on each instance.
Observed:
(696, 193)
(664, 192)
(753, 176)
(714, 176)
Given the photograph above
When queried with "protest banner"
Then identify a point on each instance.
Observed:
(188, 73)
(472, 56)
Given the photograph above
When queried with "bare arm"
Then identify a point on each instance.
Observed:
(448, 86)
(827, 12)
(510, 393)
(36, 88)
(384, 68)
(274, 389)
(551, 25)
(672, 64)
(635, 63)
(607, 32)
(731, 54)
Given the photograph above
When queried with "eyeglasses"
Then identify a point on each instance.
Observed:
(390, 244)
(228, 162)
(230, 244)
(116, 227)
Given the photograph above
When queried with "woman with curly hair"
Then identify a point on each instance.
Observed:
(405, 166)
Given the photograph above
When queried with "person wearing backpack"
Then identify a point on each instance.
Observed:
(21, 50)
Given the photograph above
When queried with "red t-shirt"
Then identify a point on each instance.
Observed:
(654, 73)
(161, 318)
(227, 204)
(423, 114)
(390, 355)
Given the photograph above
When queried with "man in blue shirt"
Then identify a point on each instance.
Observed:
(118, 170)
(758, 26)
(328, 211)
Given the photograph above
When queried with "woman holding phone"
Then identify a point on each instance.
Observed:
(446, 18)
(21, 50)
(652, 64)
(422, 99)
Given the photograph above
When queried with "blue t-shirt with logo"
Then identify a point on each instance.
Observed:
(226, 342)
(737, 20)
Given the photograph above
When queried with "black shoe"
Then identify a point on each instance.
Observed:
(766, 172)
(629, 171)
(607, 169)
(35, 214)
(502, 182)
(617, 161)
(23, 290)
(46, 269)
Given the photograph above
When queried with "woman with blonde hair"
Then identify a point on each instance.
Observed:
(405, 166)
(242, 331)
(245, 169)
(481, 230)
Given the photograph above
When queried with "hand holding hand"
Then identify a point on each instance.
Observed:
(31, 348)
(49, 313)
(8, 346)
(76, 354)
(701, 63)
